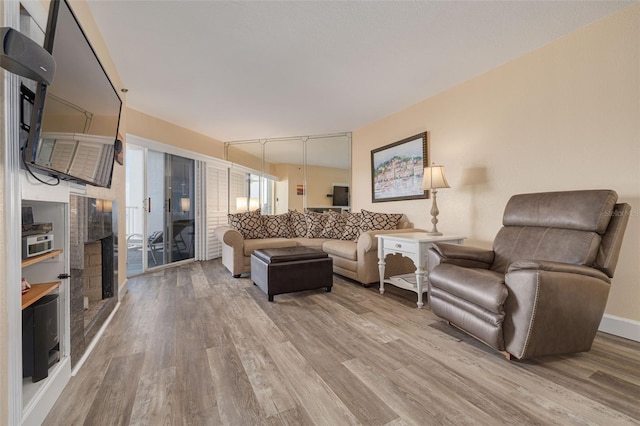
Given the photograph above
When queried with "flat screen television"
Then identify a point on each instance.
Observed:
(340, 196)
(73, 129)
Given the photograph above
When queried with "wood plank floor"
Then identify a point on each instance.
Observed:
(193, 346)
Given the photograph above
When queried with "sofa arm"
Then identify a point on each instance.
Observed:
(552, 308)
(457, 254)
(229, 236)
(232, 249)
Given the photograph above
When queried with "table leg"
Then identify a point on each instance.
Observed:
(381, 267)
(419, 284)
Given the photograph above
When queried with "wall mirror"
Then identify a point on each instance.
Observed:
(295, 173)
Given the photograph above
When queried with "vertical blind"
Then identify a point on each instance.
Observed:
(216, 206)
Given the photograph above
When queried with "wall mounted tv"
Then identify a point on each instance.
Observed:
(74, 123)
(340, 196)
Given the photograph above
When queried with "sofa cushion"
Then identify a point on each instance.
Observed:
(249, 224)
(352, 226)
(277, 225)
(315, 243)
(345, 249)
(372, 221)
(263, 243)
(298, 224)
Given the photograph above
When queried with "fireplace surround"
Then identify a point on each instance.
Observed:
(93, 264)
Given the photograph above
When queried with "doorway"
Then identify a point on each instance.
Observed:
(160, 209)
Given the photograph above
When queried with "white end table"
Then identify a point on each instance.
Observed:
(413, 245)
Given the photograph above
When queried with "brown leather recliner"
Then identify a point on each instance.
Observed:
(543, 288)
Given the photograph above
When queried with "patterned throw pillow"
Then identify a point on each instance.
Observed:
(334, 227)
(352, 226)
(298, 224)
(249, 224)
(315, 224)
(379, 221)
(276, 226)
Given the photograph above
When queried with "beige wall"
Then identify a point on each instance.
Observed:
(146, 126)
(565, 116)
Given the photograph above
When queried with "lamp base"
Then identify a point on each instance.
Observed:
(434, 234)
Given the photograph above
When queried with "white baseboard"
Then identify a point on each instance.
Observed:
(123, 290)
(37, 409)
(621, 327)
(95, 340)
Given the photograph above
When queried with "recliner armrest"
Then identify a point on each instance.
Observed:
(552, 307)
(545, 265)
(463, 255)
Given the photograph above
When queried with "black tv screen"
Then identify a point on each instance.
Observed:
(340, 196)
(74, 123)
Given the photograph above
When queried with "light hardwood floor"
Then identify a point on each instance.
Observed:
(194, 346)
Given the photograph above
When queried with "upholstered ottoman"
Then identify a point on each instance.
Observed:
(290, 269)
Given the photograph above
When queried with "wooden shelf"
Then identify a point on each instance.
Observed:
(35, 259)
(37, 292)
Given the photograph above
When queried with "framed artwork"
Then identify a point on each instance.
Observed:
(119, 154)
(397, 169)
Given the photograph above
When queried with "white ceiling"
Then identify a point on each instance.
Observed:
(259, 69)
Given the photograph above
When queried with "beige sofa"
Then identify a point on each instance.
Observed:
(357, 260)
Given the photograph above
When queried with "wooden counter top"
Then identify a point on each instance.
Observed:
(37, 292)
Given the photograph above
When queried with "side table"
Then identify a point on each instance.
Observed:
(413, 245)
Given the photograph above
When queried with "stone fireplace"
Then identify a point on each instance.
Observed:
(93, 274)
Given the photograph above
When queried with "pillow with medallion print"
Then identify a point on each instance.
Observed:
(249, 224)
(379, 221)
(352, 226)
(276, 226)
(298, 224)
(334, 227)
(315, 224)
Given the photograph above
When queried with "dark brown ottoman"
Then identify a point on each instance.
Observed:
(289, 269)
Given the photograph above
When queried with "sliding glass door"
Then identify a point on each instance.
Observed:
(179, 212)
(160, 199)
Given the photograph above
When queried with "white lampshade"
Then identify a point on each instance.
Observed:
(241, 204)
(185, 204)
(434, 178)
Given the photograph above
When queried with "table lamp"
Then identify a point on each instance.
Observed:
(432, 180)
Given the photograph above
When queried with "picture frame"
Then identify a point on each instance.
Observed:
(119, 151)
(397, 169)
